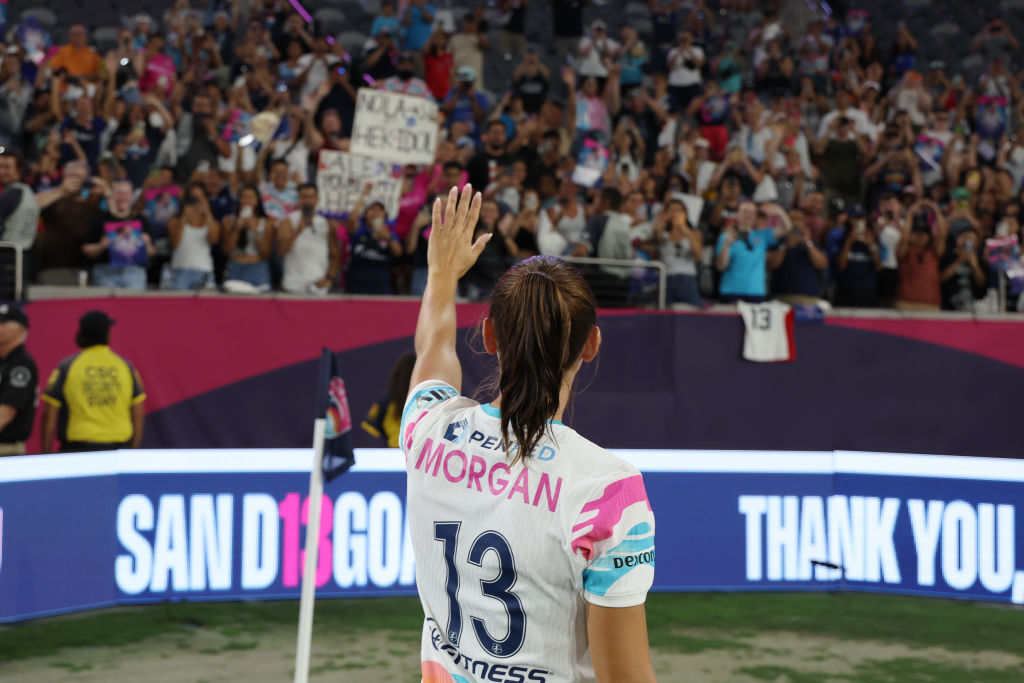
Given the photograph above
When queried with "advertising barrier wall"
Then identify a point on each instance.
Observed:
(129, 527)
(226, 372)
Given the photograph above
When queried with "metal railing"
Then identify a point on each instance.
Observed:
(12, 271)
(591, 266)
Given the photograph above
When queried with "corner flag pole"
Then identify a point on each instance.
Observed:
(316, 491)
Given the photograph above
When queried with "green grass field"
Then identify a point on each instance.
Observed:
(749, 636)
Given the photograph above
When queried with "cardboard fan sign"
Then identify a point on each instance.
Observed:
(394, 127)
(341, 177)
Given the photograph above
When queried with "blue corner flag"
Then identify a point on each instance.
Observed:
(332, 404)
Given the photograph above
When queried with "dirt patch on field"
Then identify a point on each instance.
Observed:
(799, 658)
(228, 654)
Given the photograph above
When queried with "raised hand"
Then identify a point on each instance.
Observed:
(451, 249)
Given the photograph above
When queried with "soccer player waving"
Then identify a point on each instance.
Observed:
(534, 547)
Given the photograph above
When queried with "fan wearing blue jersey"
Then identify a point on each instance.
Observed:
(534, 547)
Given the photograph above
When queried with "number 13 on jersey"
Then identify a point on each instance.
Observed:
(499, 588)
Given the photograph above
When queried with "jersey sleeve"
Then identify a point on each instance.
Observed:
(614, 535)
(424, 399)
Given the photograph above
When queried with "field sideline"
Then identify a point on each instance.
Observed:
(695, 637)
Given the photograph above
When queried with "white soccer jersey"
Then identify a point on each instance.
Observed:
(769, 332)
(505, 555)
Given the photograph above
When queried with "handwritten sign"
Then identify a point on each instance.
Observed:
(341, 177)
(395, 127)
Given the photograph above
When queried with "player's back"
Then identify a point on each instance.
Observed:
(506, 553)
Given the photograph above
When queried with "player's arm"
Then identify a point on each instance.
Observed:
(618, 644)
(450, 253)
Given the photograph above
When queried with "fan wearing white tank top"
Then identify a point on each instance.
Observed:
(191, 233)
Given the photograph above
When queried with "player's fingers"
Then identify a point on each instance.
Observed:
(449, 212)
(480, 243)
(474, 212)
(436, 219)
(460, 216)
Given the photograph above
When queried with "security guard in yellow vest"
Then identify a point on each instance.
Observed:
(93, 400)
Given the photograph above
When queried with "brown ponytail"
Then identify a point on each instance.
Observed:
(542, 311)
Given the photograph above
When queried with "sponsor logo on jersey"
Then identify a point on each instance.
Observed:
(456, 431)
(435, 395)
(482, 669)
(633, 560)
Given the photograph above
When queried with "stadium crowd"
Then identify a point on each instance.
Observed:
(754, 159)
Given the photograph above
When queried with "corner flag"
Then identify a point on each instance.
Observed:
(332, 405)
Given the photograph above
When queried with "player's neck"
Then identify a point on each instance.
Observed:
(563, 398)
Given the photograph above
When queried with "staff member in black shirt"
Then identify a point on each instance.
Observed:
(19, 380)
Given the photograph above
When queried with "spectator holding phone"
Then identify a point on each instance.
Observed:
(191, 234)
(797, 264)
(680, 247)
(465, 103)
(963, 276)
(199, 138)
(308, 247)
(247, 239)
(375, 248)
(491, 162)
(920, 251)
(561, 228)
(596, 52)
(996, 41)
(740, 255)
(859, 263)
(684, 75)
(314, 67)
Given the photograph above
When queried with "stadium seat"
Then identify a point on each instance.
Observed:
(371, 7)
(43, 15)
(351, 8)
(330, 20)
(917, 4)
(353, 41)
(972, 66)
(643, 26)
(636, 9)
(946, 29)
(1009, 6)
(105, 38)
